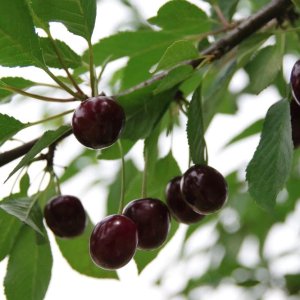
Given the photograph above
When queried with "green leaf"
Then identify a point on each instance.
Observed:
(174, 77)
(29, 267)
(19, 45)
(48, 138)
(24, 184)
(9, 228)
(113, 152)
(195, 129)
(18, 82)
(268, 62)
(26, 210)
(10, 126)
(69, 57)
(77, 15)
(270, 166)
(144, 109)
(178, 52)
(76, 252)
(182, 16)
(247, 132)
(130, 44)
(165, 169)
(191, 83)
(292, 283)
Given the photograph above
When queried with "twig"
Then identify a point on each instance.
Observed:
(246, 28)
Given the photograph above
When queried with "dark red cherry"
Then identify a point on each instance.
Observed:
(152, 219)
(295, 122)
(204, 189)
(98, 121)
(65, 216)
(180, 210)
(113, 242)
(295, 81)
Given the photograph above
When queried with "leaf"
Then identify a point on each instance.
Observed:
(144, 109)
(292, 283)
(19, 45)
(69, 57)
(26, 210)
(270, 166)
(174, 77)
(9, 228)
(268, 62)
(24, 184)
(176, 53)
(18, 82)
(113, 152)
(195, 129)
(228, 7)
(165, 169)
(179, 15)
(247, 132)
(76, 252)
(130, 44)
(48, 138)
(10, 126)
(77, 15)
(29, 267)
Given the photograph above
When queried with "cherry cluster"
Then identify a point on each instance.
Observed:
(144, 223)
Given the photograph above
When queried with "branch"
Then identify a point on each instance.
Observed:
(246, 28)
(10, 155)
(273, 10)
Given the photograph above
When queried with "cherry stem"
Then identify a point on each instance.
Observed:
(64, 86)
(62, 62)
(106, 62)
(51, 118)
(92, 70)
(38, 97)
(122, 195)
(144, 181)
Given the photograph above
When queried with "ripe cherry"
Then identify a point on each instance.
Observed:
(180, 210)
(113, 242)
(152, 219)
(65, 216)
(295, 81)
(98, 121)
(295, 122)
(204, 189)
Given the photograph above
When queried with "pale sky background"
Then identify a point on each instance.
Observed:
(68, 284)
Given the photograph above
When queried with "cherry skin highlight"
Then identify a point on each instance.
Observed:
(65, 216)
(152, 219)
(204, 189)
(113, 242)
(295, 81)
(97, 122)
(179, 209)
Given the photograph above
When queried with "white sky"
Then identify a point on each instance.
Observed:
(66, 283)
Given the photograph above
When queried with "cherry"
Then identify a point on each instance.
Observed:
(295, 122)
(113, 242)
(295, 81)
(180, 210)
(98, 121)
(65, 216)
(204, 189)
(152, 219)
